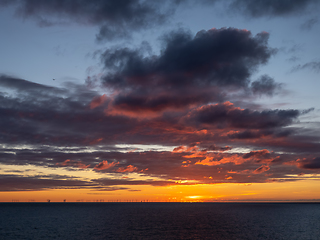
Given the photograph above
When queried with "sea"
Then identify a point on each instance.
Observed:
(148, 220)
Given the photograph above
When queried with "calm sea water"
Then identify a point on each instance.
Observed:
(225, 221)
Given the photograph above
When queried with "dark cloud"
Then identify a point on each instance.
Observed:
(260, 8)
(34, 183)
(261, 133)
(71, 128)
(310, 164)
(37, 114)
(216, 148)
(113, 182)
(227, 115)
(221, 57)
(257, 154)
(189, 70)
(265, 85)
(261, 169)
(116, 18)
(110, 189)
(26, 86)
(248, 134)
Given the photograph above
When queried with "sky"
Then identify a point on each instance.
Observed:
(171, 100)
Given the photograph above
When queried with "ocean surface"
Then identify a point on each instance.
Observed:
(222, 221)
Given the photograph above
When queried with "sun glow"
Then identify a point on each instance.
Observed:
(304, 190)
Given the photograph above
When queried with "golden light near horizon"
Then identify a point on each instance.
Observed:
(305, 190)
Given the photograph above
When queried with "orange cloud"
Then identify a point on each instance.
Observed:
(246, 171)
(208, 161)
(96, 141)
(143, 114)
(181, 149)
(105, 165)
(217, 159)
(129, 168)
(261, 169)
(229, 105)
(97, 101)
(72, 163)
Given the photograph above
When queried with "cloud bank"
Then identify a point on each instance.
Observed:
(185, 98)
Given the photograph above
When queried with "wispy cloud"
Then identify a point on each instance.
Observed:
(314, 65)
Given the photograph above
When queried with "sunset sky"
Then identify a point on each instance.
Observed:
(128, 100)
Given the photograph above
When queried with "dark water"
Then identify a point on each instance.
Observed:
(225, 221)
